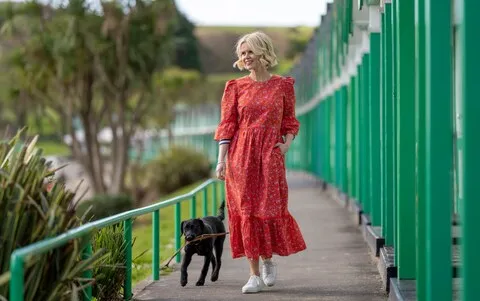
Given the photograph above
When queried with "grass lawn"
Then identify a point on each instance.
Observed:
(53, 148)
(142, 232)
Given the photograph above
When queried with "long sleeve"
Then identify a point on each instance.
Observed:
(290, 124)
(229, 115)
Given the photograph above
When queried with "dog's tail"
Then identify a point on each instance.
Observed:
(221, 211)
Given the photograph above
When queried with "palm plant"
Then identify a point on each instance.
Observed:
(29, 212)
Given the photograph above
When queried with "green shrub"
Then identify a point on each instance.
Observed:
(101, 206)
(30, 211)
(109, 274)
(178, 167)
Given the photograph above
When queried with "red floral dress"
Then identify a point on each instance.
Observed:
(254, 117)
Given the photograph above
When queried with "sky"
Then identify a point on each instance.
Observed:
(253, 12)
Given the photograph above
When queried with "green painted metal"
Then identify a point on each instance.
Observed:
(383, 96)
(338, 138)
(214, 200)
(358, 143)
(340, 133)
(17, 271)
(438, 159)
(420, 132)
(470, 110)
(333, 142)
(315, 167)
(205, 201)
(19, 256)
(88, 274)
(327, 154)
(365, 198)
(394, 174)
(156, 245)
(457, 125)
(470, 48)
(177, 230)
(388, 225)
(349, 120)
(406, 139)
(354, 136)
(127, 237)
(193, 206)
(374, 130)
(343, 139)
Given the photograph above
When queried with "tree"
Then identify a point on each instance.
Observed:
(97, 68)
(186, 53)
(175, 86)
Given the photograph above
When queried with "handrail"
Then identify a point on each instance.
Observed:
(18, 257)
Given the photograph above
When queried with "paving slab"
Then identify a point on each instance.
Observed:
(336, 266)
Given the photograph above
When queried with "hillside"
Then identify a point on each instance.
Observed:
(216, 44)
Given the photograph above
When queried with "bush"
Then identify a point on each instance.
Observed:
(178, 167)
(32, 209)
(101, 206)
(110, 274)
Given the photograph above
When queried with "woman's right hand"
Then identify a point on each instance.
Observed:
(220, 170)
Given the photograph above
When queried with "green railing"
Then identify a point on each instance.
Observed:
(19, 256)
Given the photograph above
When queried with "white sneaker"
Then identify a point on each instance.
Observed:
(269, 272)
(254, 285)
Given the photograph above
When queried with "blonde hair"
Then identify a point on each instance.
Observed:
(261, 45)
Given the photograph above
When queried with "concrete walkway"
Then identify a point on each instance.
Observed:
(336, 265)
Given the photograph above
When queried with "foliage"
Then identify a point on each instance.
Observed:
(54, 148)
(186, 52)
(177, 167)
(94, 71)
(175, 86)
(110, 273)
(298, 40)
(101, 206)
(29, 212)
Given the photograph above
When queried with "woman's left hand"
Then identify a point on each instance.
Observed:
(283, 147)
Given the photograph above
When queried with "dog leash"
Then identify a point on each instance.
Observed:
(201, 237)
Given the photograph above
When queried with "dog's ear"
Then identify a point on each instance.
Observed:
(181, 228)
(202, 225)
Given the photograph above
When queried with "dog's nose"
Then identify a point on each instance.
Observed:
(189, 237)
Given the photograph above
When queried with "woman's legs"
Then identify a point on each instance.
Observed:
(254, 267)
(255, 282)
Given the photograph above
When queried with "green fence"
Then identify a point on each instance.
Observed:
(20, 256)
(387, 107)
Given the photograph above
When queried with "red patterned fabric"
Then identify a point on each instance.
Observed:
(255, 116)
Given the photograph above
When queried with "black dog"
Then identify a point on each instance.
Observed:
(192, 229)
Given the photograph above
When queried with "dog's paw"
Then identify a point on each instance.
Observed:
(183, 281)
(214, 277)
(200, 283)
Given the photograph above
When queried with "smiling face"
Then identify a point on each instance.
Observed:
(255, 52)
(250, 60)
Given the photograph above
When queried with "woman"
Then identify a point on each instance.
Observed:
(257, 126)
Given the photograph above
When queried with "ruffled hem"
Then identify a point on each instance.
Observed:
(253, 237)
